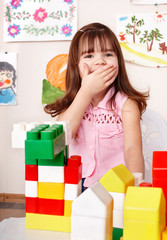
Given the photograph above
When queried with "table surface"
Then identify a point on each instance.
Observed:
(14, 228)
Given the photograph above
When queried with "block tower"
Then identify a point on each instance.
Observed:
(51, 182)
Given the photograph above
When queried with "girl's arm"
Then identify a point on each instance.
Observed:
(133, 155)
(76, 110)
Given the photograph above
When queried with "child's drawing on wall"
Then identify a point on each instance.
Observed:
(143, 38)
(39, 20)
(54, 84)
(7, 81)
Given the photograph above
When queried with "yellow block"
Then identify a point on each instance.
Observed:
(51, 190)
(164, 234)
(67, 207)
(48, 222)
(117, 179)
(144, 213)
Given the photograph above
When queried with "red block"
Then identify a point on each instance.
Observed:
(31, 205)
(159, 159)
(31, 172)
(77, 162)
(159, 173)
(51, 206)
(162, 183)
(73, 171)
(145, 184)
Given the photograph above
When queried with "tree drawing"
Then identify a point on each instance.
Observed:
(132, 28)
(150, 37)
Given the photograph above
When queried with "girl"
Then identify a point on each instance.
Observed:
(103, 108)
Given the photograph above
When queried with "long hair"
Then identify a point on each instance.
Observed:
(87, 36)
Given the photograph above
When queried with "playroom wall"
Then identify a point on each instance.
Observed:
(32, 60)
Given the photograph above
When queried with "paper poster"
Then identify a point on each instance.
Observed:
(8, 74)
(39, 20)
(143, 38)
(153, 2)
(54, 84)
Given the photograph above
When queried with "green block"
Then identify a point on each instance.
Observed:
(117, 233)
(31, 161)
(57, 161)
(44, 144)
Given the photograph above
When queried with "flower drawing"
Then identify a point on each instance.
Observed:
(68, 1)
(40, 15)
(16, 3)
(14, 30)
(67, 30)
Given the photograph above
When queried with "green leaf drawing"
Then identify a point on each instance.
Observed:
(50, 93)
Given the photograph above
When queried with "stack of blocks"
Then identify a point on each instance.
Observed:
(159, 171)
(51, 182)
(116, 181)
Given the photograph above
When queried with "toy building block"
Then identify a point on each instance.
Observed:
(51, 190)
(164, 234)
(67, 130)
(31, 188)
(144, 213)
(51, 206)
(91, 217)
(72, 191)
(44, 143)
(48, 222)
(138, 178)
(159, 171)
(19, 133)
(58, 160)
(117, 179)
(32, 205)
(53, 174)
(31, 172)
(73, 170)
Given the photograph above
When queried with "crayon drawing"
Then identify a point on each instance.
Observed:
(8, 66)
(54, 84)
(39, 20)
(143, 38)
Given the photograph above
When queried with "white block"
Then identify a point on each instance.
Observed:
(118, 219)
(51, 174)
(91, 228)
(72, 191)
(119, 199)
(138, 178)
(18, 135)
(93, 202)
(31, 188)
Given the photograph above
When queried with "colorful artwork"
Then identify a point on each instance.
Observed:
(143, 38)
(8, 66)
(39, 20)
(54, 85)
(153, 2)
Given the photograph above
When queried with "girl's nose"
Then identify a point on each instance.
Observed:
(100, 61)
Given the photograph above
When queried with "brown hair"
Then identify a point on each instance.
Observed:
(88, 34)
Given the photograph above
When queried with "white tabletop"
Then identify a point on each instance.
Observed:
(14, 228)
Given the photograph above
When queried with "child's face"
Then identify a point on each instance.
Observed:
(96, 59)
(6, 79)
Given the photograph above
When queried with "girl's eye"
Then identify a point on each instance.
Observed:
(89, 56)
(109, 54)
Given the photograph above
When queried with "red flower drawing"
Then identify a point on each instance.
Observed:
(40, 15)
